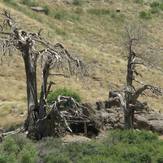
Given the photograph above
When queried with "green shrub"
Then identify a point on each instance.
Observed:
(155, 4)
(57, 159)
(30, 2)
(139, 1)
(145, 15)
(46, 9)
(28, 154)
(9, 146)
(132, 136)
(10, 1)
(17, 149)
(63, 92)
(128, 146)
(77, 2)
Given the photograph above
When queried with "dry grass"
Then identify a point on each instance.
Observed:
(96, 38)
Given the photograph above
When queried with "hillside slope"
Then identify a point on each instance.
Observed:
(91, 29)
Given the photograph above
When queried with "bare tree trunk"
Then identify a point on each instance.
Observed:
(128, 118)
(129, 113)
(32, 101)
(43, 94)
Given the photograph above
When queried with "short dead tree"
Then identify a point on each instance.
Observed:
(128, 97)
(35, 49)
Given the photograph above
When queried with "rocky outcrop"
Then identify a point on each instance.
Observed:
(111, 116)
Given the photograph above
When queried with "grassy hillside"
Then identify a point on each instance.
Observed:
(91, 29)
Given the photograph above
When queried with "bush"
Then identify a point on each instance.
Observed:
(17, 149)
(28, 154)
(131, 136)
(77, 2)
(46, 9)
(9, 1)
(129, 146)
(145, 15)
(155, 4)
(63, 92)
(30, 2)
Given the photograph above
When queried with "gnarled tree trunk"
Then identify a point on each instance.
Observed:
(31, 84)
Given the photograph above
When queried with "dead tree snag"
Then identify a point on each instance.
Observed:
(128, 98)
(35, 48)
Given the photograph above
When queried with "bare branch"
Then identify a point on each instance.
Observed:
(140, 90)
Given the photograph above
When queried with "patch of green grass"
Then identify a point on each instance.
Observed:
(10, 1)
(46, 9)
(30, 2)
(145, 15)
(63, 92)
(156, 7)
(17, 149)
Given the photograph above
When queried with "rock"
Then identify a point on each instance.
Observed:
(156, 126)
(141, 122)
(38, 9)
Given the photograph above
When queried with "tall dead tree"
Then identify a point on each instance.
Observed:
(34, 48)
(128, 98)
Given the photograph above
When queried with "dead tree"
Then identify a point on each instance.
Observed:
(128, 98)
(34, 49)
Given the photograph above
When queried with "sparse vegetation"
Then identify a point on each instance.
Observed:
(77, 2)
(118, 146)
(30, 2)
(46, 8)
(145, 15)
(99, 12)
(63, 92)
(9, 1)
(139, 1)
(17, 149)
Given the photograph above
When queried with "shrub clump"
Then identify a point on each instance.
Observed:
(17, 149)
(62, 92)
(145, 15)
(119, 146)
(77, 2)
(9, 1)
(30, 2)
